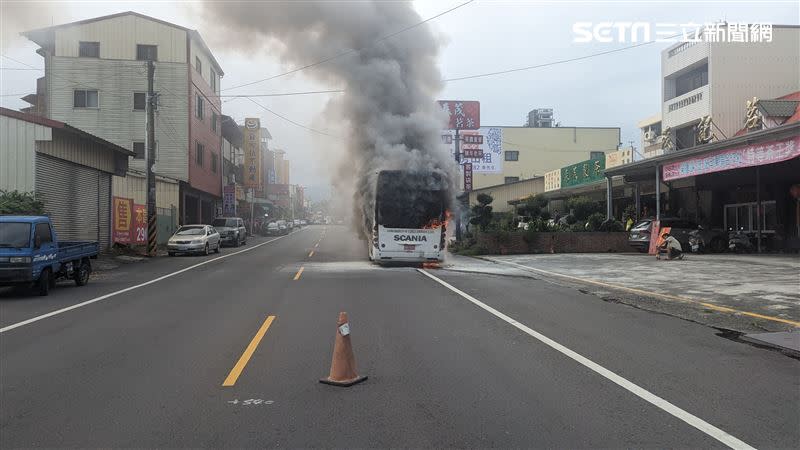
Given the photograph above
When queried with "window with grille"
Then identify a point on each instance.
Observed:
(85, 99)
(200, 107)
(146, 52)
(199, 154)
(89, 49)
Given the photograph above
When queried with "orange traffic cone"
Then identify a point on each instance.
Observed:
(343, 366)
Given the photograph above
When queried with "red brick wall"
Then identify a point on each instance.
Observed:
(203, 178)
(561, 242)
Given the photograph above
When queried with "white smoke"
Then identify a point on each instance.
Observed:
(388, 108)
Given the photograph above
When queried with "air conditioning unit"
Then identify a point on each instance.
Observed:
(649, 136)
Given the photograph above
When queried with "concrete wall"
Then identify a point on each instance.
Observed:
(118, 37)
(556, 242)
(203, 177)
(740, 71)
(545, 149)
(737, 71)
(18, 151)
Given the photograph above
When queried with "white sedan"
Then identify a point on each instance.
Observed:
(194, 239)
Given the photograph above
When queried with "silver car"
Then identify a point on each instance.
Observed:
(194, 239)
(231, 230)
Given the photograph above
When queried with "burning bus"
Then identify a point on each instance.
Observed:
(410, 217)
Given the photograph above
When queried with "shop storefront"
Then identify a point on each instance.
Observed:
(746, 183)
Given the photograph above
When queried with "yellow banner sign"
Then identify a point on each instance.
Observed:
(252, 154)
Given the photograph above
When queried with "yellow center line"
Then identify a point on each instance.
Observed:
(653, 294)
(311, 254)
(248, 352)
(299, 272)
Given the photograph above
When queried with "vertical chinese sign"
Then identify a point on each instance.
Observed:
(252, 155)
(229, 200)
(467, 176)
(122, 220)
(139, 224)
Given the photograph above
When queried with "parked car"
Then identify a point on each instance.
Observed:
(273, 229)
(284, 227)
(297, 223)
(231, 230)
(32, 255)
(303, 222)
(194, 239)
(640, 234)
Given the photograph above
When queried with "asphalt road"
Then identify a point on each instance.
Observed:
(491, 361)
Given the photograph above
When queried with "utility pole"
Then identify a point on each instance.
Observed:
(150, 160)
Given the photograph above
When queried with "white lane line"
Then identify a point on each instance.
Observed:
(127, 289)
(640, 392)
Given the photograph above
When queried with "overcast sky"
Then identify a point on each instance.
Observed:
(615, 90)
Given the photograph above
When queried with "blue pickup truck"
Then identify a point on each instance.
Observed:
(32, 255)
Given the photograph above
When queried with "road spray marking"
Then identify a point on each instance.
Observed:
(127, 289)
(651, 294)
(299, 272)
(251, 401)
(248, 352)
(635, 389)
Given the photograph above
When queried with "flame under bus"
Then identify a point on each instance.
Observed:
(410, 217)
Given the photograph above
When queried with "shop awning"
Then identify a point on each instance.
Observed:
(719, 156)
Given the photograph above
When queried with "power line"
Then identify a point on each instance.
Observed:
(292, 121)
(553, 63)
(281, 94)
(350, 51)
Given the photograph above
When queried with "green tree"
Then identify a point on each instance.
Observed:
(582, 207)
(533, 206)
(20, 203)
(482, 212)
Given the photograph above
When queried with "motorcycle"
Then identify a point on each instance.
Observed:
(739, 241)
(696, 241)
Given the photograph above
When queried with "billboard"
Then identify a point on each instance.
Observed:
(619, 157)
(463, 115)
(552, 180)
(734, 158)
(122, 220)
(129, 222)
(252, 154)
(583, 172)
(482, 147)
(229, 200)
(467, 176)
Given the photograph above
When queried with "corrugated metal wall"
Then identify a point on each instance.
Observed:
(77, 199)
(78, 150)
(135, 187)
(513, 191)
(118, 37)
(115, 120)
(17, 149)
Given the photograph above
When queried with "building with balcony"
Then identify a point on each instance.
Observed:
(96, 79)
(716, 79)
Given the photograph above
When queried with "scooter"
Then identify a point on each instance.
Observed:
(739, 241)
(696, 241)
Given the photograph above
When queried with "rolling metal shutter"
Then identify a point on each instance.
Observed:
(77, 199)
